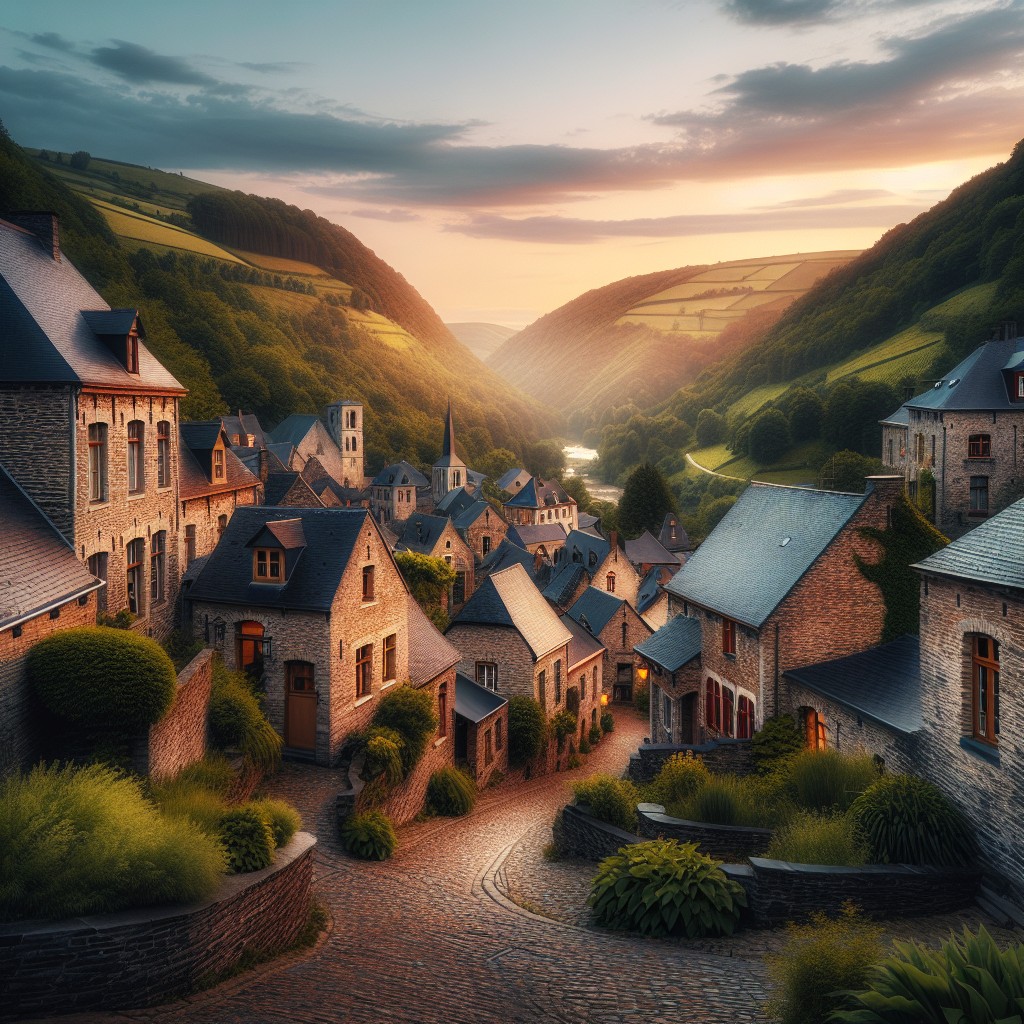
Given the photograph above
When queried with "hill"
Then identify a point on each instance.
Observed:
(256, 304)
(481, 339)
(641, 337)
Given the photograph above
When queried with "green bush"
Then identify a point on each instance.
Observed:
(584, 747)
(237, 720)
(680, 778)
(384, 755)
(607, 722)
(818, 839)
(103, 679)
(818, 962)
(203, 807)
(906, 820)
(563, 725)
(527, 730)
(825, 780)
(247, 839)
(776, 741)
(663, 888)
(214, 773)
(573, 761)
(86, 841)
(967, 981)
(609, 799)
(450, 793)
(283, 819)
(595, 734)
(369, 836)
(642, 697)
(410, 712)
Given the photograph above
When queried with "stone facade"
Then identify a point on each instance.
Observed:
(723, 842)
(722, 756)
(345, 425)
(487, 746)
(204, 519)
(485, 533)
(675, 700)
(616, 575)
(623, 631)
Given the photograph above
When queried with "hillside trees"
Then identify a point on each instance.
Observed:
(710, 428)
(646, 500)
(769, 437)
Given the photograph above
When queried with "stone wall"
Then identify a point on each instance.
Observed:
(496, 724)
(723, 842)
(488, 524)
(725, 757)
(204, 514)
(148, 956)
(179, 738)
(616, 652)
(580, 835)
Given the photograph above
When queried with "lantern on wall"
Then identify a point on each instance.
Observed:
(642, 673)
(604, 700)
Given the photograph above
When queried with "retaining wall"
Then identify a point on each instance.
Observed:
(580, 835)
(724, 756)
(723, 842)
(142, 957)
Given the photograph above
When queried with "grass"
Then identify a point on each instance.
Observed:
(818, 839)
(280, 264)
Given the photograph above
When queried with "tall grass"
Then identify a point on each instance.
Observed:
(237, 720)
(825, 780)
(819, 839)
(85, 841)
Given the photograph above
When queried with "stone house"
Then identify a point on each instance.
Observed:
(537, 567)
(43, 588)
(512, 481)
(212, 482)
(397, 492)
(586, 674)
(310, 603)
(646, 552)
(776, 587)
(337, 445)
(78, 383)
(962, 438)
(619, 628)
(671, 659)
(481, 730)
(244, 430)
(566, 584)
(539, 502)
(546, 539)
(335, 495)
(289, 490)
(652, 598)
(437, 537)
(481, 527)
(607, 565)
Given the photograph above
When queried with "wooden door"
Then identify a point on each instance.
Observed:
(300, 706)
(688, 718)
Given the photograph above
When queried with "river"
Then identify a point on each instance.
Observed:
(579, 461)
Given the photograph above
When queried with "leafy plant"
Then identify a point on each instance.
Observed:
(607, 722)
(609, 799)
(384, 755)
(573, 761)
(595, 734)
(642, 697)
(823, 780)
(283, 819)
(451, 793)
(369, 836)
(247, 839)
(410, 712)
(818, 839)
(563, 724)
(527, 730)
(969, 980)
(663, 887)
(680, 778)
(819, 960)
(237, 720)
(906, 820)
(778, 739)
(584, 747)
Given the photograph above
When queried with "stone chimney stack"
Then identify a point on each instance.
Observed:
(45, 226)
(264, 464)
(613, 540)
(888, 489)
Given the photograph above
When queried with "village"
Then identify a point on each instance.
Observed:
(277, 555)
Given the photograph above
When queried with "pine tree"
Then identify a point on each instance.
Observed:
(646, 500)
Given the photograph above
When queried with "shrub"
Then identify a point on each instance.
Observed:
(819, 960)
(967, 981)
(410, 712)
(527, 730)
(451, 793)
(181, 648)
(247, 839)
(369, 836)
(607, 722)
(594, 736)
(283, 819)
(214, 774)
(663, 888)
(384, 755)
(824, 780)
(203, 807)
(777, 740)
(563, 724)
(609, 799)
(237, 720)
(641, 697)
(680, 778)
(818, 839)
(574, 761)
(103, 679)
(584, 747)
(906, 820)
(86, 841)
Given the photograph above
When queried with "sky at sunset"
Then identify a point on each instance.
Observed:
(506, 157)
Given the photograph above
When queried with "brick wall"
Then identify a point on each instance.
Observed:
(683, 689)
(578, 834)
(617, 652)
(627, 582)
(148, 956)
(489, 524)
(723, 842)
(476, 747)
(204, 514)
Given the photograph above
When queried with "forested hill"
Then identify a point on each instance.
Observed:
(274, 228)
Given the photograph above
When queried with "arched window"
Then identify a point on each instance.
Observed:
(713, 704)
(744, 718)
(609, 583)
(985, 689)
(727, 709)
(442, 710)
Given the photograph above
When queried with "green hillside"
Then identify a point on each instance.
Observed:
(284, 316)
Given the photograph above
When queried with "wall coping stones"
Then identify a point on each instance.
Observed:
(656, 813)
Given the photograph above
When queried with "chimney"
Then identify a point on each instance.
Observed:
(887, 489)
(613, 539)
(264, 464)
(45, 226)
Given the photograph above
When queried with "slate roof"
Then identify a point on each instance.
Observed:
(900, 418)
(294, 428)
(45, 336)
(194, 470)
(466, 518)
(587, 521)
(585, 545)
(762, 548)
(473, 701)
(539, 533)
(421, 532)
(243, 424)
(400, 474)
(595, 609)
(277, 486)
(250, 458)
(681, 542)
(508, 478)
(286, 453)
(353, 495)
(583, 644)
(537, 494)
(648, 549)
(455, 501)
(330, 536)
(649, 591)
(977, 382)
(507, 553)
(38, 568)
(448, 456)
(993, 552)
(883, 683)
(564, 583)
(674, 645)
(509, 598)
(430, 653)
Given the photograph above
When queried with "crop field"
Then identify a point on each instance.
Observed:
(280, 264)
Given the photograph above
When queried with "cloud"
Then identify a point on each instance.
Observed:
(52, 41)
(575, 231)
(271, 67)
(141, 65)
(806, 12)
(393, 215)
(839, 198)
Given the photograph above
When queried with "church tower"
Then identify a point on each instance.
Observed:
(449, 470)
(345, 424)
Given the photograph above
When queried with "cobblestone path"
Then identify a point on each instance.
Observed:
(431, 936)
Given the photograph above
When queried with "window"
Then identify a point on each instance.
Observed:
(222, 525)
(609, 583)
(136, 457)
(595, 684)
(98, 567)
(919, 447)
(889, 459)
(267, 566)
(542, 685)
(250, 649)
(1020, 385)
(488, 748)
(218, 463)
(136, 553)
(558, 681)
(979, 496)
(367, 582)
(979, 446)
(157, 566)
(713, 704)
(666, 711)
(364, 670)
(728, 637)
(985, 689)
(98, 462)
(499, 734)
(625, 635)
(727, 709)
(390, 657)
(442, 710)
(131, 355)
(190, 544)
(486, 545)
(163, 454)
(487, 674)
(744, 718)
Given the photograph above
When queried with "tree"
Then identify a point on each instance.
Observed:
(496, 463)
(805, 411)
(646, 500)
(527, 730)
(545, 459)
(576, 488)
(710, 428)
(769, 437)
(429, 579)
(80, 160)
(714, 511)
(846, 471)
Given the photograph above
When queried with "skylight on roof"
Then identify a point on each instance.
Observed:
(784, 541)
(953, 383)
(938, 384)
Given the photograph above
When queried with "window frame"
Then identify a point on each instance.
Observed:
(729, 637)
(136, 457)
(158, 567)
(485, 669)
(979, 496)
(985, 691)
(99, 491)
(389, 658)
(979, 446)
(442, 711)
(369, 583)
(135, 556)
(364, 671)
(271, 557)
(163, 453)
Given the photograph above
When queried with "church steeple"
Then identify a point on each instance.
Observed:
(448, 447)
(449, 470)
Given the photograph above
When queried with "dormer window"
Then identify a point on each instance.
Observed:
(218, 464)
(131, 356)
(267, 565)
